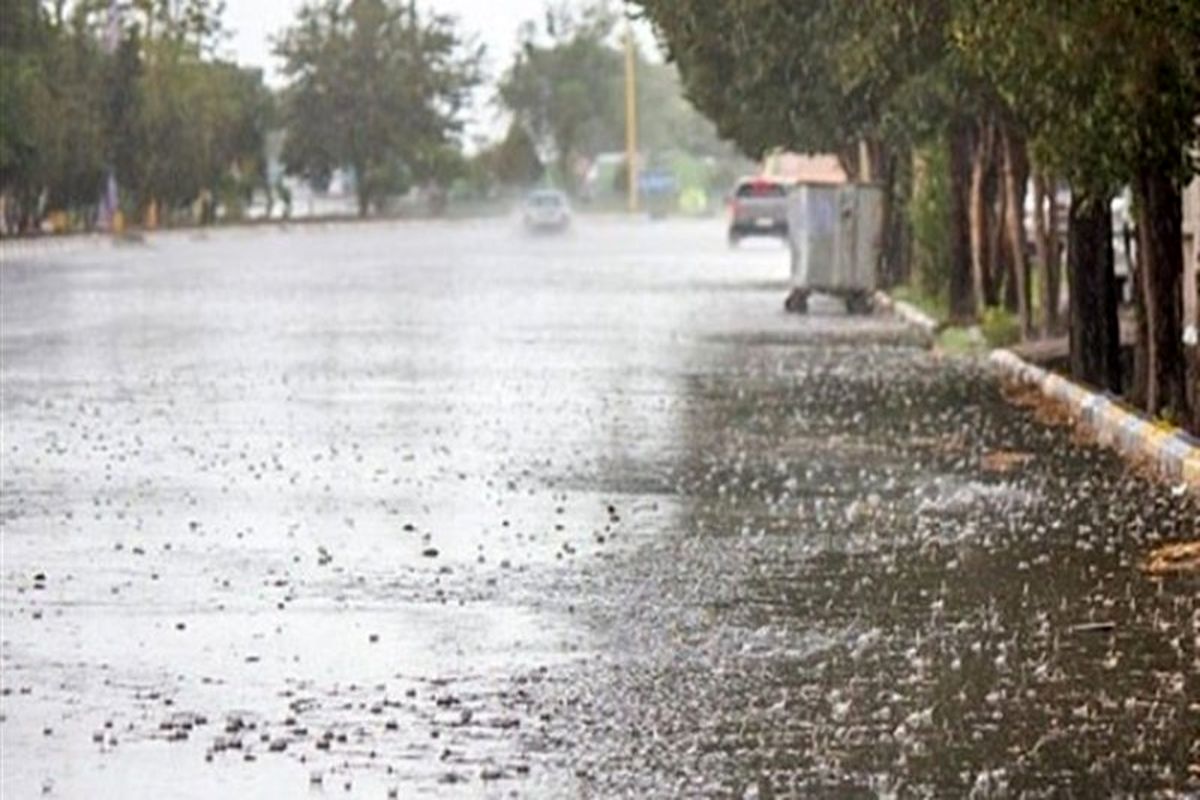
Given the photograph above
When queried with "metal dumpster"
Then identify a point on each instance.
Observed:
(835, 235)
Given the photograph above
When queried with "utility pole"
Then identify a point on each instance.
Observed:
(631, 147)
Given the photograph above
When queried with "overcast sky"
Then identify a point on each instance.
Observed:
(495, 22)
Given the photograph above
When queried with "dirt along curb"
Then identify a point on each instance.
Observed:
(1173, 453)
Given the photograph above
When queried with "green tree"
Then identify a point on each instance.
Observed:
(565, 87)
(24, 35)
(513, 161)
(202, 128)
(140, 95)
(1109, 90)
(374, 86)
(566, 90)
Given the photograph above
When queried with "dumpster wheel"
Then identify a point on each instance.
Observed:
(859, 303)
(797, 301)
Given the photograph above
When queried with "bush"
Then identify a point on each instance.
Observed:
(1000, 327)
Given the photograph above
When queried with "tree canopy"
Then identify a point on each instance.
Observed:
(377, 86)
(566, 89)
(140, 97)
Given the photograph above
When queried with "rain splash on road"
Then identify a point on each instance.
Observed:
(443, 510)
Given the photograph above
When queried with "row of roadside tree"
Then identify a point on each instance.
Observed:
(995, 95)
(88, 99)
(131, 108)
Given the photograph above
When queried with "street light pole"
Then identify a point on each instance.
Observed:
(631, 117)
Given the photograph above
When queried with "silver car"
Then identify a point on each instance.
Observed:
(758, 207)
(546, 210)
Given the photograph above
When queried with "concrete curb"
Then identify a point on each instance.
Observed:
(907, 312)
(1175, 454)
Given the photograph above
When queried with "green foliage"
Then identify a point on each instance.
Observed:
(145, 100)
(512, 162)
(816, 76)
(566, 89)
(667, 121)
(376, 86)
(205, 124)
(1104, 86)
(1100, 86)
(929, 216)
(1000, 327)
(961, 341)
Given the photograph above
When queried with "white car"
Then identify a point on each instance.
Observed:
(546, 210)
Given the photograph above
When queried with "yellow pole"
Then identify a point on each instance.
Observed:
(631, 117)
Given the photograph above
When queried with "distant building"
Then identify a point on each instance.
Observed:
(802, 168)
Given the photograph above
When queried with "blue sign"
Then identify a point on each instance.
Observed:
(656, 181)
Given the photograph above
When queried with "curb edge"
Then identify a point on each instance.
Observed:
(907, 312)
(1174, 454)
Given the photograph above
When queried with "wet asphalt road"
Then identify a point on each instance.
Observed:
(443, 510)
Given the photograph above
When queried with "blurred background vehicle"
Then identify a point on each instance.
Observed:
(546, 210)
(757, 207)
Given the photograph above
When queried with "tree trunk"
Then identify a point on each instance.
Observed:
(981, 255)
(904, 180)
(1095, 330)
(1016, 173)
(962, 301)
(893, 267)
(1046, 253)
(1054, 267)
(849, 159)
(1160, 222)
(1003, 282)
(362, 191)
(887, 267)
(1141, 346)
(996, 284)
(1004, 278)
